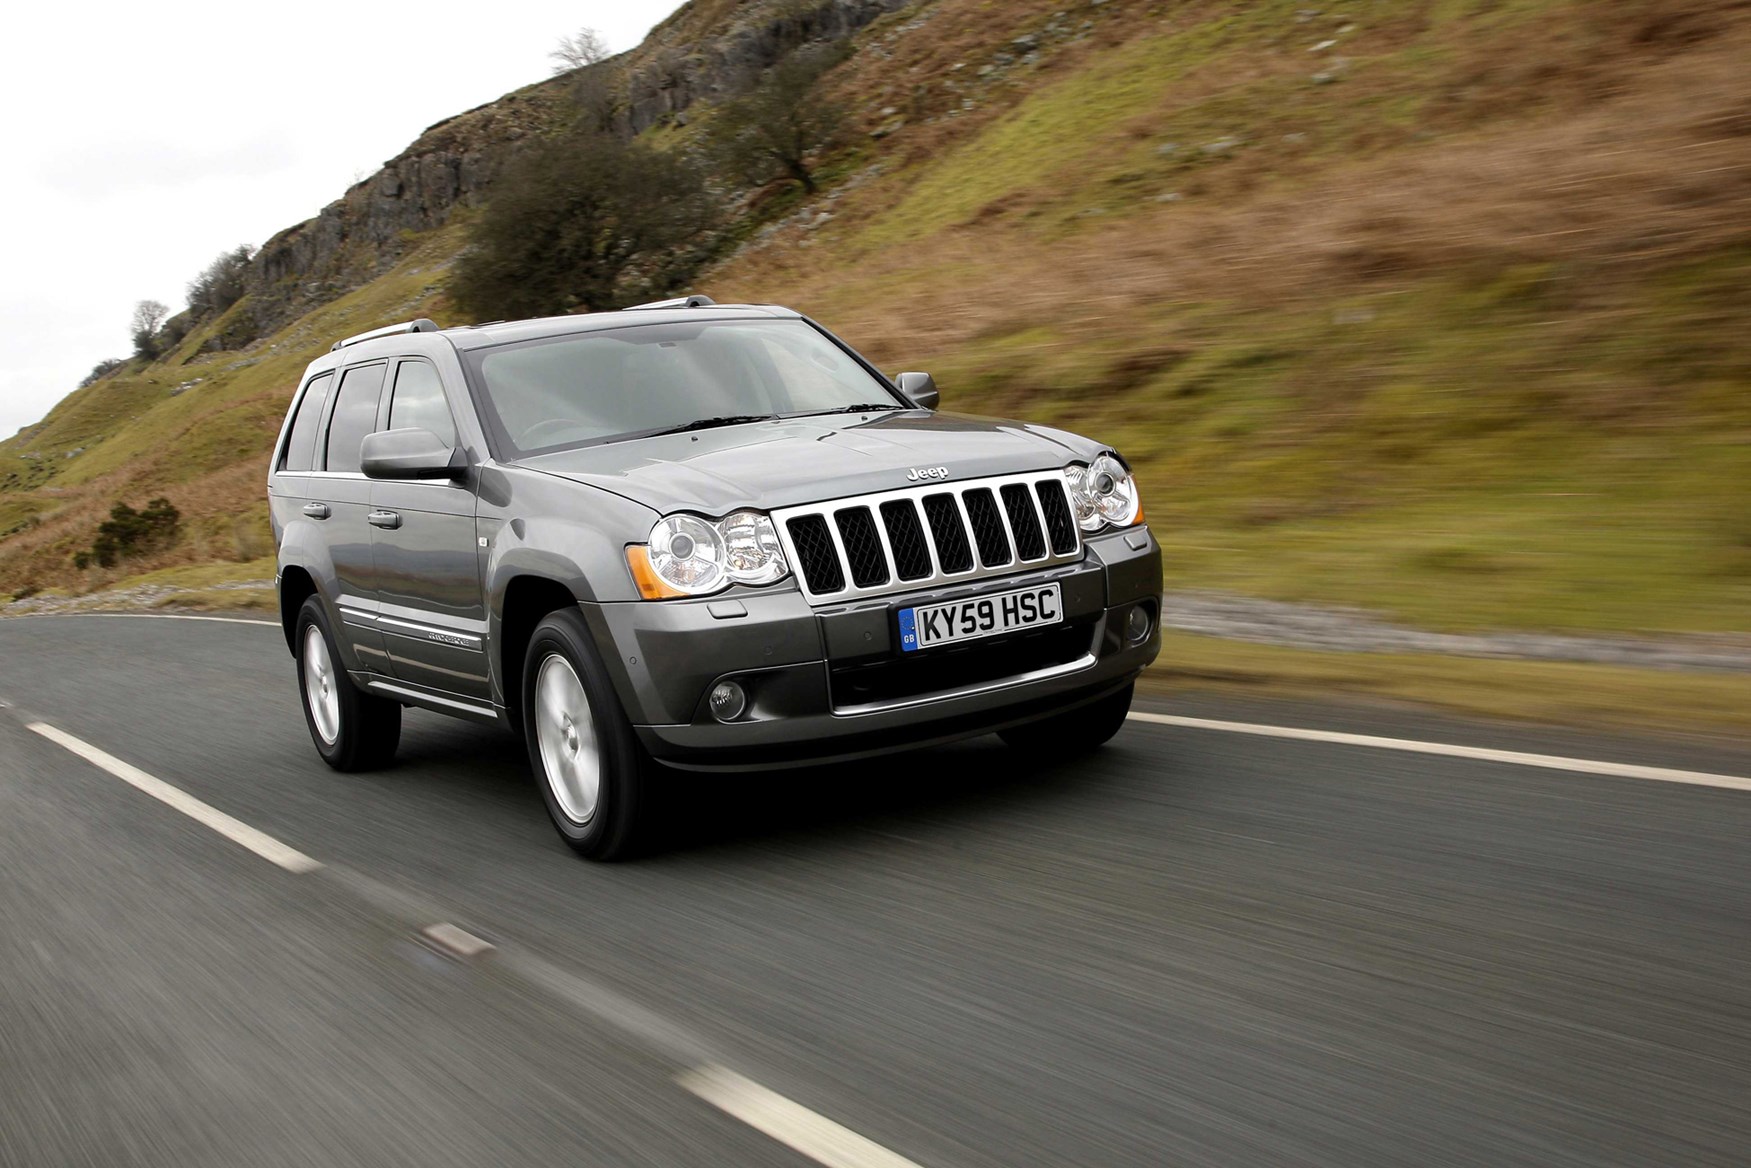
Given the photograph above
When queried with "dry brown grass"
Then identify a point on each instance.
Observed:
(1656, 169)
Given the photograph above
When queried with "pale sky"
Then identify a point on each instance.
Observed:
(145, 138)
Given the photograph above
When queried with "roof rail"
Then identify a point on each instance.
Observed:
(422, 325)
(678, 302)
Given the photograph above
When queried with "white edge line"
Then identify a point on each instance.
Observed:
(1551, 762)
(788, 1122)
(227, 620)
(238, 832)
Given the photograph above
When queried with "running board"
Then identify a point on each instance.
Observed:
(443, 703)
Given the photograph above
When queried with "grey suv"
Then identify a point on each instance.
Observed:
(697, 535)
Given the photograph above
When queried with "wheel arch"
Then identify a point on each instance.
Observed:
(528, 600)
(296, 586)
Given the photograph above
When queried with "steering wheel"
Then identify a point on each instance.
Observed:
(529, 441)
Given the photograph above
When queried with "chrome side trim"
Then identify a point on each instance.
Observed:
(420, 697)
(418, 631)
(967, 691)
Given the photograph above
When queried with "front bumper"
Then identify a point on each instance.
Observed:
(808, 671)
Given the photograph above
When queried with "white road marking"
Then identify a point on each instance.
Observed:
(226, 620)
(262, 844)
(456, 941)
(1552, 762)
(790, 1123)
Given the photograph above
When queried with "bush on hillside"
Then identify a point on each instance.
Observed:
(101, 370)
(220, 284)
(128, 532)
(583, 222)
(775, 130)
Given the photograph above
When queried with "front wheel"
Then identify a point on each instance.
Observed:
(590, 767)
(352, 730)
(1074, 731)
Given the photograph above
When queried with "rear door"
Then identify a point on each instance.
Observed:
(297, 526)
(433, 613)
(338, 485)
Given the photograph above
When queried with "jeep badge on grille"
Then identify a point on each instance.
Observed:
(919, 474)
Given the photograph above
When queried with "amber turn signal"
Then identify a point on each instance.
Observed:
(650, 585)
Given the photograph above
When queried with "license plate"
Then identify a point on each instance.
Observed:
(982, 616)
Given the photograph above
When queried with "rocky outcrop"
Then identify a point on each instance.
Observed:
(675, 67)
(702, 52)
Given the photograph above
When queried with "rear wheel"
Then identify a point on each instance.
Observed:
(1074, 731)
(352, 730)
(589, 765)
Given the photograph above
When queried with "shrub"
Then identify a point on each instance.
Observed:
(220, 284)
(128, 532)
(582, 221)
(775, 129)
(101, 370)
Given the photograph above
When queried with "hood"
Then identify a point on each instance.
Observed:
(767, 465)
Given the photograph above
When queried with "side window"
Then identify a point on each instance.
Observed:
(418, 400)
(300, 453)
(355, 415)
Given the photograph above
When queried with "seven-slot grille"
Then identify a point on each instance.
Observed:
(942, 533)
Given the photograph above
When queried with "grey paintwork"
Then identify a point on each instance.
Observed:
(415, 571)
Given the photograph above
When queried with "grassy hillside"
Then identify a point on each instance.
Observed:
(1437, 307)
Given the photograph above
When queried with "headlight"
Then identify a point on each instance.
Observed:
(751, 546)
(690, 556)
(1103, 493)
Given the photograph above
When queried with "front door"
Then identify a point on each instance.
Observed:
(433, 613)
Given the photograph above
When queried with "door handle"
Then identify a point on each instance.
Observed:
(316, 510)
(384, 519)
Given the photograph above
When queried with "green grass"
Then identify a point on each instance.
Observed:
(1446, 458)
(1599, 697)
(1115, 135)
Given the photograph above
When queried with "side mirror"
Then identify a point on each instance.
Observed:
(409, 454)
(920, 389)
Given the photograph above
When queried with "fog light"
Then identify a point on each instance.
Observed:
(1139, 624)
(728, 701)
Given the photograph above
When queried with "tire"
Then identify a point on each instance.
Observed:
(593, 774)
(1073, 732)
(353, 730)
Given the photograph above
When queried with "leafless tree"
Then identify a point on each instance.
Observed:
(585, 47)
(148, 318)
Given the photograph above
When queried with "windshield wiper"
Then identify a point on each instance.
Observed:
(712, 423)
(862, 409)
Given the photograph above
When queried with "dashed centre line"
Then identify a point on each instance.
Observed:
(761, 1108)
(788, 1122)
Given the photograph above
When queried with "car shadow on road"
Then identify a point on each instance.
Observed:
(917, 792)
(914, 794)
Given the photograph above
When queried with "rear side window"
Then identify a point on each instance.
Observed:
(418, 400)
(355, 415)
(301, 443)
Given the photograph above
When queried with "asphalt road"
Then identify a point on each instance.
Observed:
(1194, 947)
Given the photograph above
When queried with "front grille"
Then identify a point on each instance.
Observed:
(875, 544)
(863, 547)
(814, 552)
(1024, 521)
(1060, 524)
(988, 534)
(974, 663)
(953, 552)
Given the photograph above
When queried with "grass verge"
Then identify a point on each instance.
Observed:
(1600, 697)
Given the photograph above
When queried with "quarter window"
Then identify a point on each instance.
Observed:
(418, 401)
(355, 415)
(301, 443)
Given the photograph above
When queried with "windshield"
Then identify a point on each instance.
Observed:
(633, 382)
